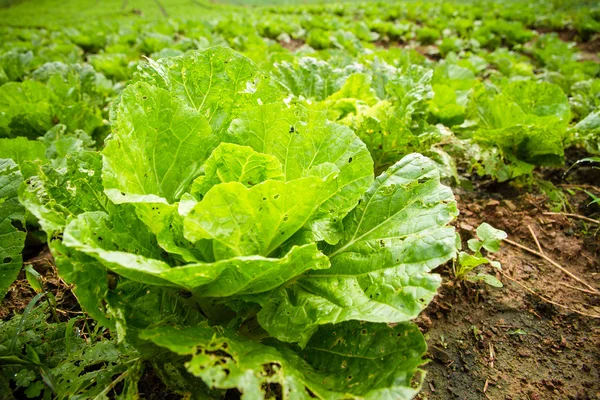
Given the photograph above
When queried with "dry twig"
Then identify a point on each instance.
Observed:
(547, 300)
(551, 261)
(577, 216)
(535, 239)
(580, 289)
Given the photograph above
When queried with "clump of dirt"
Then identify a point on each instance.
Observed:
(292, 44)
(511, 343)
(430, 51)
(20, 293)
(591, 46)
(566, 35)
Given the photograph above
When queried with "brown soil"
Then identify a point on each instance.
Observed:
(429, 51)
(590, 49)
(507, 343)
(566, 35)
(292, 44)
(21, 292)
(386, 43)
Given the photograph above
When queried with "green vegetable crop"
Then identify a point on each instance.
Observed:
(249, 235)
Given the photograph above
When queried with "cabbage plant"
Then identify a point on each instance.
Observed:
(242, 243)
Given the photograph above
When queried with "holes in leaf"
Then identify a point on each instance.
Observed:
(350, 378)
(272, 390)
(112, 281)
(18, 225)
(264, 199)
(7, 260)
(233, 394)
(270, 369)
(145, 97)
(291, 129)
(286, 218)
(276, 196)
(349, 160)
(92, 368)
(363, 332)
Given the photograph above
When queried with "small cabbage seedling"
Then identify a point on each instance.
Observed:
(488, 238)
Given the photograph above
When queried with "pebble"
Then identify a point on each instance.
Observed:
(511, 206)
(492, 203)
(524, 353)
(466, 227)
(563, 341)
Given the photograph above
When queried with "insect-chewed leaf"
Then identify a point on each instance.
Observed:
(350, 361)
(381, 269)
(218, 83)
(12, 216)
(157, 146)
(303, 141)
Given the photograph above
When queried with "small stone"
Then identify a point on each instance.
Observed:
(440, 355)
(466, 227)
(585, 368)
(549, 385)
(528, 269)
(511, 206)
(476, 208)
(563, 341)
(524, 353)
(492, 203)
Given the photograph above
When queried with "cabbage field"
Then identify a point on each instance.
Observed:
(287, 199)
